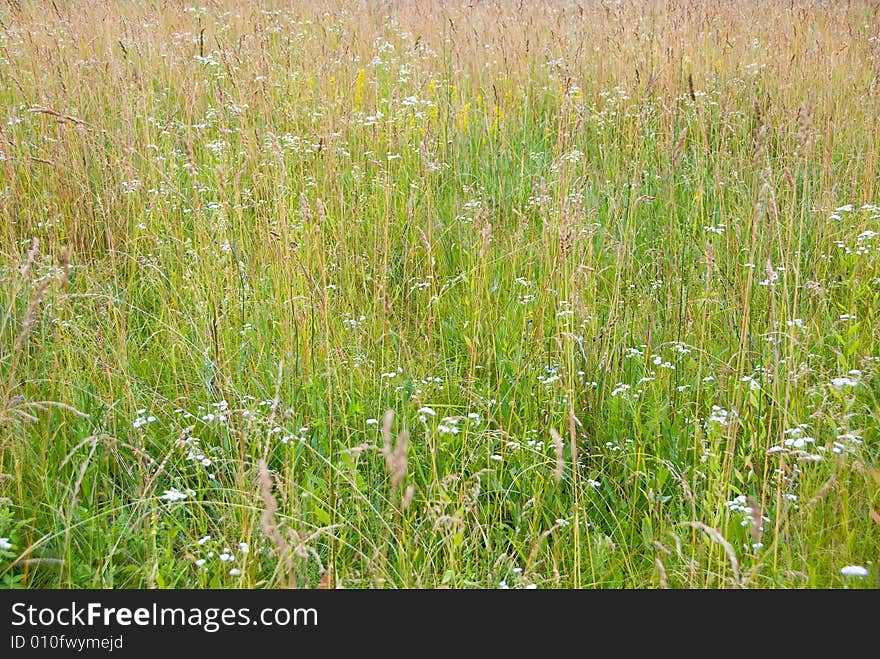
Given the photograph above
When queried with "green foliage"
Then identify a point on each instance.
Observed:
(223, 263)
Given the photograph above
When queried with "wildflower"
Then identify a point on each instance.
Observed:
(234, 572)
(173, 495)
(203, 540)
(200, 562)
(140, 421)
(753, 383)
(854, 571)
(739, 505)
(243, 548)
(841, 382)
(719, 415)
(658, 361)
(619, 389)
(849, 437)
(799, 442)
(5, 545)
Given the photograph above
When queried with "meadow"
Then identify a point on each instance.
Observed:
(489, 294)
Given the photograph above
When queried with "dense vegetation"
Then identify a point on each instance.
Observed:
(613, 266)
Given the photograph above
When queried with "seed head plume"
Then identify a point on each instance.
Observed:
(395, 454)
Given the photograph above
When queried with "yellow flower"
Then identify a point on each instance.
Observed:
(359, 89)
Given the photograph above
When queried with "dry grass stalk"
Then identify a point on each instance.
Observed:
(756, 528)
(559, 447)
(678, 150)
(408, 496)
(270, 509)
(395, 454)
(31, 255)
(661, 572)
(805, 128)
(27, 324)
(715, 536)
(820, 494)
(322, 214)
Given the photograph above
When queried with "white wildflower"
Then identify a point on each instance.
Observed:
(173, 495)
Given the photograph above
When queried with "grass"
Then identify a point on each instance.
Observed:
(613, 267)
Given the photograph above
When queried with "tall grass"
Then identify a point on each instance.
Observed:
(613, 267)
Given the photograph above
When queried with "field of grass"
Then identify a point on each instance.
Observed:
(422, 294)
